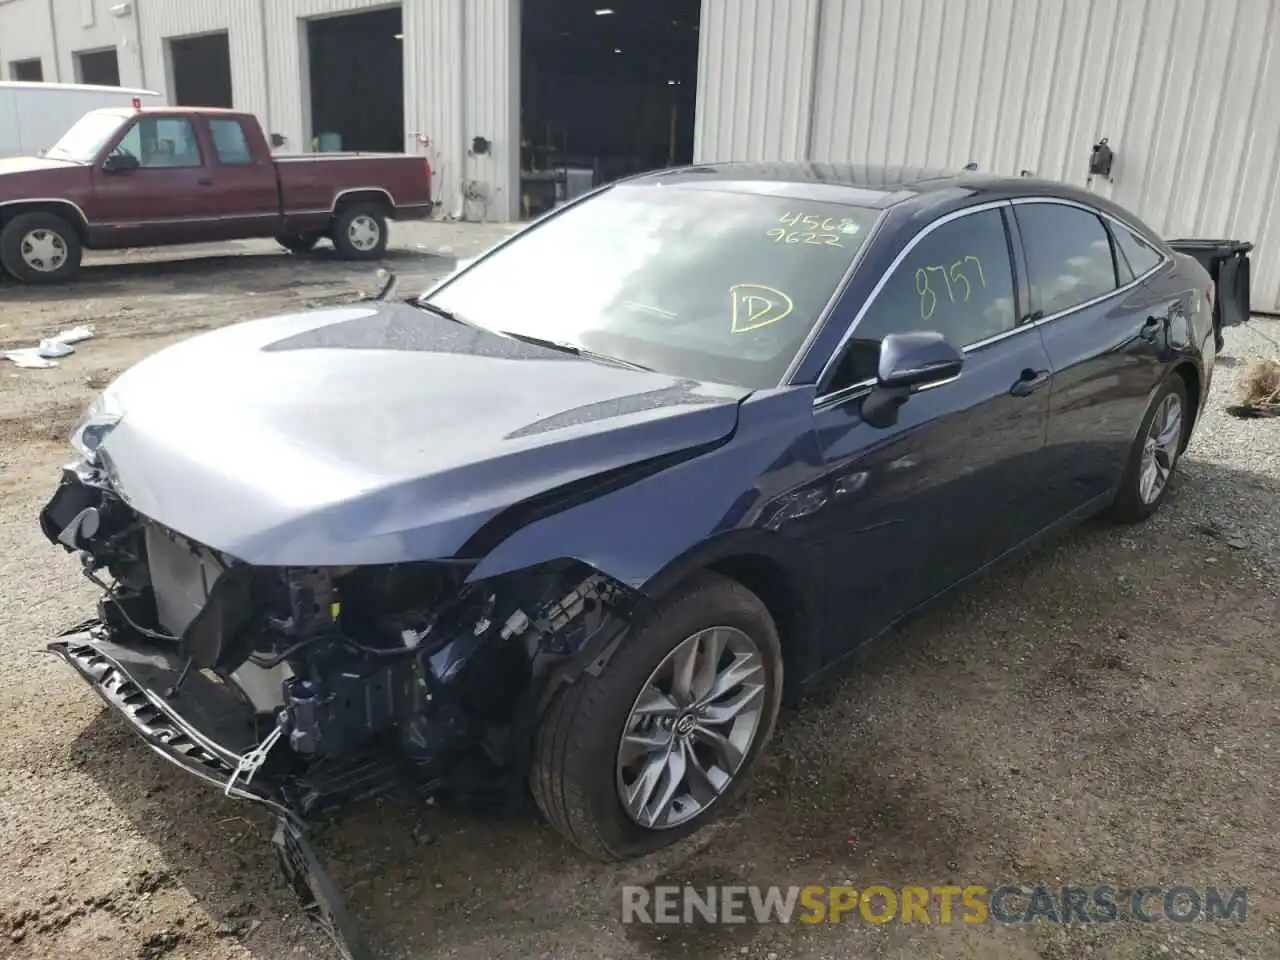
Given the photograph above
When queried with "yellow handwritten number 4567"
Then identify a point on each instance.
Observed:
(953, 276)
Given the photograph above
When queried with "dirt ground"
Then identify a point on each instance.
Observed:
(1106, 712)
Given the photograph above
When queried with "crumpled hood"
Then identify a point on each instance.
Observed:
(377, 433)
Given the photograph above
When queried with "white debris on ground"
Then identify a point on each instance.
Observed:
(48, 351)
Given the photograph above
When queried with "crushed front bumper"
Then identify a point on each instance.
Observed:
(207, 741)
(203, 727)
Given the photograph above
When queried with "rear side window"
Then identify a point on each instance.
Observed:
(957, 281)
(230, 142)
(1069, 259)
(1141, 256)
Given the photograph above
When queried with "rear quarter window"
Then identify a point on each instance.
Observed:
(1140, 256)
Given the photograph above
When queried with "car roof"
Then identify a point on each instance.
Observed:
(878, 187)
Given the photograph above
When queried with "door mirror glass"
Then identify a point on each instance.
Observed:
(917, 359)
(119, 162)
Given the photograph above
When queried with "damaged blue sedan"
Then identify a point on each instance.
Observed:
(575, 521)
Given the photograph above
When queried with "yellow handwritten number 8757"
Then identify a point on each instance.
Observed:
(953, 277)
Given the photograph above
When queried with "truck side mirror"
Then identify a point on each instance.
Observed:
(119, 162)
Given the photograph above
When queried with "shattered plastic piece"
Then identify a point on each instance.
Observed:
(29, 357)
(74, 335)
(43, 355)
(51, 349)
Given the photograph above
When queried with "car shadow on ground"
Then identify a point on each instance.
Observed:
(903, 771)
(206, 274)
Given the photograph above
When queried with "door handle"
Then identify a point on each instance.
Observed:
(205, 182)
(1151, 329)
(1029, 382)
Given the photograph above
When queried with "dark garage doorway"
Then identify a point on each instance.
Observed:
(98, 66)
(201, 70)
(356, 64)
(607, 89)
(27, 71)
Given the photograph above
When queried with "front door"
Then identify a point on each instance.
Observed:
(913, 508)
(168, 198)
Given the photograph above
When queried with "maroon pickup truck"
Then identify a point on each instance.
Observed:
(160, 176)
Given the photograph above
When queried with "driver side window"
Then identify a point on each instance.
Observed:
(957, 281)
(161, 142)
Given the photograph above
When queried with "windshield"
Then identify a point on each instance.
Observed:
(695, 282)
(86, 137)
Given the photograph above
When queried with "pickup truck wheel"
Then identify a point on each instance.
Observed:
(360, 232)
(666, 736)
(298, 242)
(40, 248)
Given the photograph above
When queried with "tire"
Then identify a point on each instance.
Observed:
(575, 776)
(298, 242)
(32, 239)
(357, 224)
(1130, 505)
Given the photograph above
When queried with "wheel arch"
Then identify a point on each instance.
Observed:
(1189, 373)
(773, 571)
(379, 196)
(64, 209)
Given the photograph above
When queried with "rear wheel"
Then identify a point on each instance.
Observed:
(360, 231)
(40, 248)
(1155, 453)
(666, 736)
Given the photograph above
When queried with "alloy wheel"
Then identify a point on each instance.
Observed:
(691, 728)
(1160, 449)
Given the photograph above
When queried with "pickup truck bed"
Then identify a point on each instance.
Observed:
(160, 176)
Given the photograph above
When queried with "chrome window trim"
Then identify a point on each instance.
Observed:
(847, 392)
(802, 354)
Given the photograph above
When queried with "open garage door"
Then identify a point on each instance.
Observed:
(607, 90)
(356, 65)
(200, 69)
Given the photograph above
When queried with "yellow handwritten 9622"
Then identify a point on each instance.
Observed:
(954, 279)
(807, 228)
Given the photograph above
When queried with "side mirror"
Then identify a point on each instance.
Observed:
(908, 362)
(119, 162)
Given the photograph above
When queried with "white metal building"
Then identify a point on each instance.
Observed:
(1187, 92)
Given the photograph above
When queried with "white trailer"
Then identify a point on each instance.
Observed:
(33, 116)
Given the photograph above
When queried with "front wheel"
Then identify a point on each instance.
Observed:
(359, 232)
(1155, 453)
(666, 736)
(40, 248)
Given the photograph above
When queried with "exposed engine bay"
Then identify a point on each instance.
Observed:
(309, 688)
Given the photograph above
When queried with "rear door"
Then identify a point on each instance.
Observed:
(1105, 330)
(246, 192)
(169, 198)
(913, 508)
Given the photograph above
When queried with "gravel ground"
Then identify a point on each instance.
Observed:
(1105, 712)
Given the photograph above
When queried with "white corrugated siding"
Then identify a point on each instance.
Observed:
(1186, 91)
(755, 79)
(164, 20)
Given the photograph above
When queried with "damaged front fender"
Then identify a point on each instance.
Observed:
(635, 532)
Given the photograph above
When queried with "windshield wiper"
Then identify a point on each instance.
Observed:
(575, 350)
(442, 312)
